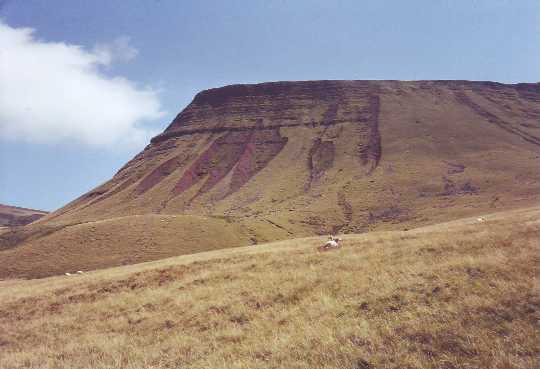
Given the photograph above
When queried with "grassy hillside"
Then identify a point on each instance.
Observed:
(454, 295)
(56, 248)
(270, 161)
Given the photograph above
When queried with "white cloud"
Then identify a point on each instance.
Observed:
(118, 50)
(56, 92)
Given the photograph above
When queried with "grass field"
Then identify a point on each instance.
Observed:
(462, 294)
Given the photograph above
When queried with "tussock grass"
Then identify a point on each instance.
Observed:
(457, 295)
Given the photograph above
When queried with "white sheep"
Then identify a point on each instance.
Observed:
(481, 220)
(71, 274)
(332, 242)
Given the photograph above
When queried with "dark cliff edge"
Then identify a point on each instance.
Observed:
(226, 100)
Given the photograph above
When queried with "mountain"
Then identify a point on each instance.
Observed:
(246, 164)
(11, 216)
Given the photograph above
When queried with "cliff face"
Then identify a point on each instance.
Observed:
(300, 158)
(287, 146)
(227, 136)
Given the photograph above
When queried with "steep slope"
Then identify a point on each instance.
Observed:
(457, 295)
(284, 159)
(11, 216)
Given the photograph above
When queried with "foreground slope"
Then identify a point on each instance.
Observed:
(57, 249)
(462, 294)
(291, 159)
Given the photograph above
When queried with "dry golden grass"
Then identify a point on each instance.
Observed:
(54, 249)
(456, 295)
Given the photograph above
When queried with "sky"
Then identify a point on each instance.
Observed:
(84, 85)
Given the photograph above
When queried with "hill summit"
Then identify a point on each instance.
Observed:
(244, 164)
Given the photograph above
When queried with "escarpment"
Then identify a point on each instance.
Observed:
(282, 159)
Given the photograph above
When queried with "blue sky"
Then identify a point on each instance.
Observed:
(81, 112)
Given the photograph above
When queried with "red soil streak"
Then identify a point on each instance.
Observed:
(320, 159)
(160, 173)
(371, 153)
(215, 162)
(244, 169)
(245, 153)
(262, 148)
(322, 153)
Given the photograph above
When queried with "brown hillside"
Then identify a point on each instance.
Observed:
(11, 216)
(276, 160)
